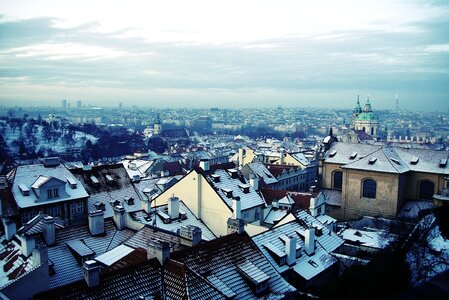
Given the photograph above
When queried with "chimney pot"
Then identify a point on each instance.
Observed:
(309, 241)
(91, 273)
(119, 217)
(49, 230)
(96, 222)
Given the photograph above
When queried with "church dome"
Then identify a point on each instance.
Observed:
(368, 106)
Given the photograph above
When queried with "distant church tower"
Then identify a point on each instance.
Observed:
(157, 126)
(365, 119)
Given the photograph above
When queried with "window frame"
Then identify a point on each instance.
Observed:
(366, 192)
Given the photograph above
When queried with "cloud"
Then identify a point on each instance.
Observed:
(39, 56)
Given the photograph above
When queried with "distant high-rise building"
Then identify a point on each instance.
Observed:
(63, 103)
(78, 104)
(397, 102)
(120, 105)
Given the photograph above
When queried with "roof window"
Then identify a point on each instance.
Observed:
(353, 155)
(372, 160)
(414, 160)
(395, 161)
(24, 189)
(72, 183)
(443, 163)
(332, 154)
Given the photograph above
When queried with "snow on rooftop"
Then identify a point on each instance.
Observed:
(30, 174)
(114, 255)
(372, 239)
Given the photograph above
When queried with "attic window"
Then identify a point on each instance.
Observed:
(94, 180)
(233, 173)
(332, 154)
(24, 189)
(244, 188)
(395, 161)
(353, 155)
(109, 178)
(129, 200)
(278, 255)
(443, 163)
(256, 277)
(114, 203)
(313, 264)
(71, 182)
(215, 177)
(414, 160)
(227, 192)
(372, 160)
(100, 205)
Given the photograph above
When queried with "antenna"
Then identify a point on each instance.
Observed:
(397, 102)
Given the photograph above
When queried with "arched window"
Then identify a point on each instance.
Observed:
(426, 189)
(369, 188)
(337, 179)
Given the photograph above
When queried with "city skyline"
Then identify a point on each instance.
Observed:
(202, 54)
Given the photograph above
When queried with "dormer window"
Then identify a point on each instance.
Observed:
(24, 189)
(227, 192)
(216, 177)
(372, 161)
(353, 155)
(332, 154)
(109, 179)
(244, 188)
(443, 163)
(414, 160)
(71, 182)
(233, 173)
(129, 200)
(49, 193)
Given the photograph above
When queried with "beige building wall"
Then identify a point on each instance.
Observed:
(414, 179)
(385, 203)
(202, 200)
(326, 175)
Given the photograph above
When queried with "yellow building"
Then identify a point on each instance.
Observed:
(377, 180)
(214, 196)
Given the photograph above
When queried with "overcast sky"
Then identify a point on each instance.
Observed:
(225, 53)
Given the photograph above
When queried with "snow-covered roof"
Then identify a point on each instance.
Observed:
(372, 239)
(306, 266)
(261, 170)
(36, 175)
(248, 200)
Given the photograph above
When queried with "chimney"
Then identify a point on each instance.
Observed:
(10, 228)
(204, 164)
(236, 225)
(290, 250)
(173, 207)
(254, 182)
(145, 203)
(241, 153)
(39, 256)
(159, 249)
(236, 208)
(313, 209)
(96, 222)
(190, 234)
(27, 244)
(119, 217)
(49, 230)
(281, 161)
(91, 273)
(309, 241)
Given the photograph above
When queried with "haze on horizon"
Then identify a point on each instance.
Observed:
(225, 53)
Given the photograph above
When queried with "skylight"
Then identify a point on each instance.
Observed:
(443, 162)
(414, 160)
(332, 154)
(353, 155)
(372, 160)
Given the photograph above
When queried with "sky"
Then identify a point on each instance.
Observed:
(225, 53)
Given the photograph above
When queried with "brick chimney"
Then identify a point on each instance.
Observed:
(39, 256)
(49, 230)
(236, 208)
(10, 228)
(119, 217)
(96, 222)
(290, 250)
(309, 241)
(159, 249)
(91, 273)
(173, 207)
(190, 235)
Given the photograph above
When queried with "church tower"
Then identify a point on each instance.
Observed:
(158, 126)
(365, 120)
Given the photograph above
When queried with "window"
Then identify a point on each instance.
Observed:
(49, 194)
(55, 193)
(337, 179)
(369, 188)
(426, 189)
(77, 207)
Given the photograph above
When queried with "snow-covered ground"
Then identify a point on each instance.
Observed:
(57, 145)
